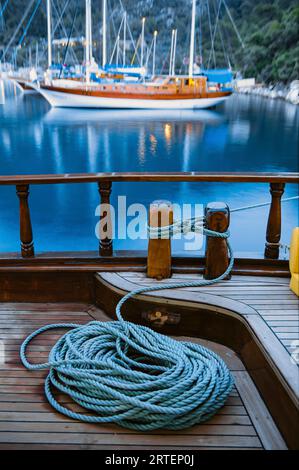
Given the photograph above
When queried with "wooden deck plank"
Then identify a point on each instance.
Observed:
(25, 416)
(106, 447)
(286, 329)
(125, 440)
(41, 406)
(236, 279)
(74, 427)
(265, 427)
(283, 313)
(44, 307)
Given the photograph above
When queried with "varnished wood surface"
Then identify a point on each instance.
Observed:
(159, 249)
(130, 260)
(274, 221)
(28, 422)
(154, 94)
(270, 297)
(235, 177)
(217, 217)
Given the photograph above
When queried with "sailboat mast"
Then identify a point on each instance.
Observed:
(88, 38)
(36, 56)
(142, 42)
(104, 53)
(154, 52)
(117, 50)
(192, 39)
(171, 52)
(125, 38)
(174, 51)
(49, 28)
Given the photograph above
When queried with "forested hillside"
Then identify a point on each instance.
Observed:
(268, 30)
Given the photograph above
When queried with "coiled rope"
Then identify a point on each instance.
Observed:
(131, 375)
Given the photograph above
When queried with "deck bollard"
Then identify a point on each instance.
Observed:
(27, 247)
(106, 244)
(217, 219)
(159, 249)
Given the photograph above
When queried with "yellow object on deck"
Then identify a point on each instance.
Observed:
(294, 261)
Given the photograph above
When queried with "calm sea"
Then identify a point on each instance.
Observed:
(246, 134)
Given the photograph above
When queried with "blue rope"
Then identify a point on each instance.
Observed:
(131, 375)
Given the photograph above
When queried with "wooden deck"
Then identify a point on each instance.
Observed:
(270, 297)
(27, 421)
(257, 317)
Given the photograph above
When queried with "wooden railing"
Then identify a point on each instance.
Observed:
(277, 183)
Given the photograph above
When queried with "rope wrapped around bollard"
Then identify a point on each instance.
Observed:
(131, 375)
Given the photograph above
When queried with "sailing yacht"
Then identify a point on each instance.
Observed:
(169, 93)
(172, 92)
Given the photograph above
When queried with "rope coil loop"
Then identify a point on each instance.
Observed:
(131, 375)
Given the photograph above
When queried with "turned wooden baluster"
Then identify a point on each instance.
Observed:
(217, 219)
(27, 247)
(106, 244)
(274, 221)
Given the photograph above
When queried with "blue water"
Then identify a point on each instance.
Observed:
(247, 134)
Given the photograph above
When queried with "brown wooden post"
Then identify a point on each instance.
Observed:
(159, 249)
(217, 219)
(274, 221)
(27, 247)
(106, 244)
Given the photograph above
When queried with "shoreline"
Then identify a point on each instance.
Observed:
(288, 93)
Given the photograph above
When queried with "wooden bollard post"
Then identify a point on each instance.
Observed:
(217, 219)
(274, 222)
(106, 244)
(27, 247)
(159, 249)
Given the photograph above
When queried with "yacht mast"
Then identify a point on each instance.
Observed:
(104, 54)
(174, 51)
(36, 56)
(192, 40)
(49, 27)
(125, 38)
(154, 52)
(88, 39)
(171, 52)
(117, 49)
(142, 42)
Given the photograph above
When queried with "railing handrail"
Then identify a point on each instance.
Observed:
(226, 177)
(104, 181)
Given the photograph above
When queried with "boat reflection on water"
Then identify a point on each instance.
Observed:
(148, 129)
(84, 116)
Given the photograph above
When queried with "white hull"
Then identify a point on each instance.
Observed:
(68, 100)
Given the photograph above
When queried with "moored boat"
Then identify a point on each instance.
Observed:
(170, 93)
